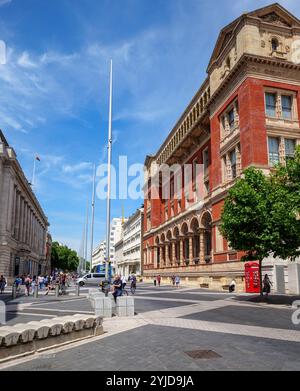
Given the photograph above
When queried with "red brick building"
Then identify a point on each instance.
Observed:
(245, 114)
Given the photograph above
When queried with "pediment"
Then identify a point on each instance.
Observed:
(277, 15)
(274, 14)
(274, 18)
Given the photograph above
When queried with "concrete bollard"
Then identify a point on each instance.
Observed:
(36, 291)
(2, 313)
(56, 290)
(77, 290)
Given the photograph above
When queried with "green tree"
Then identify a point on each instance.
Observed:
(63, 257)
(260, 214)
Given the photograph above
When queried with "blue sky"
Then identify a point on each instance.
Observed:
(54, 87)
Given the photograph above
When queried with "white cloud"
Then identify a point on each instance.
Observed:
(25, 62)
(3, 2)
(77, 167)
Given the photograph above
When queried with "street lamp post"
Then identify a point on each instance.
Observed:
(109, 147)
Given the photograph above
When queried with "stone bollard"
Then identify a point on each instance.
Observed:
(77, 290)
(36, 291)
(2, 314)
(56, 290)
(102, 306)
(14, 291)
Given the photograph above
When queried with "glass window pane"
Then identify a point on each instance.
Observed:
(233, 164)
(231, 118)
(205, 159)
(273, 150)
(271, 104)
(286, 103)
(290, 146)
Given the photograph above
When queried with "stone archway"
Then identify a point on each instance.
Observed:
(194, 228)
(169, 248)
(206, 227)
(176, 236)
(157, 253)
(186, 243)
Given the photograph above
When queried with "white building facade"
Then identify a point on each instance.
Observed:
(99, 254)
(115, 237)
(131, 261)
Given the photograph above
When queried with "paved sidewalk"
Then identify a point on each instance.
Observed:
(245, 335)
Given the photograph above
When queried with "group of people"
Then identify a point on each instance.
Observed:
(174, 279)
(47, 283)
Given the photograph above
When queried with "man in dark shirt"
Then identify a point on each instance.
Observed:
(117, 285)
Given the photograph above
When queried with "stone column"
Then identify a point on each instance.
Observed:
(282, 150)
(191, 249)
(236, 115)
(238, 160)
(173, 253)
(181, 257)
(167, 261)
(21, 219)
(202, 246)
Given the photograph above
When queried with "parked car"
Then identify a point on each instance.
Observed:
(90, 279)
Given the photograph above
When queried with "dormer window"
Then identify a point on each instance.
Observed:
(275, 44)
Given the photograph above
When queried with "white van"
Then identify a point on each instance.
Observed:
(90, 279)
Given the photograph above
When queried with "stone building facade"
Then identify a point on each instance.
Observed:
(246, 113)
(23, 224)
(99, 254)
(131, 259)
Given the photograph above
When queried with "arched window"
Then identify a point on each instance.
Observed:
(274, 44)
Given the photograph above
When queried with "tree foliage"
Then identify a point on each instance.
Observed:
(63, 257)
(261, 213)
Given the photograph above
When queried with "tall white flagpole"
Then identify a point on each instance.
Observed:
(86, 234)
(93, 218)
(33, 172)
(109, 147)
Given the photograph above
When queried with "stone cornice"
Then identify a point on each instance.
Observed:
(10, 159)
(241, 70)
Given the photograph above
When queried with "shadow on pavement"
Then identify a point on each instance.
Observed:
(271, 299)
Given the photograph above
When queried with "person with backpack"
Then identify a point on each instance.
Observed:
(2, 284)
(27, 285)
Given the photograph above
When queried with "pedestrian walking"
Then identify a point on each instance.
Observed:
(158, 280)
(27, 285)
(177, 281)
(267, 285)
(154, 281)
(41, 282)
(34, 284)
(124, 282)
(232, 286)
(2, 284)
(173, 280)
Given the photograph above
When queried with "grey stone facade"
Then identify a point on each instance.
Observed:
(23, 224)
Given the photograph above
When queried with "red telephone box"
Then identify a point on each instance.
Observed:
(252, 277)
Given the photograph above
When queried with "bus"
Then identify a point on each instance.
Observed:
(100, 269)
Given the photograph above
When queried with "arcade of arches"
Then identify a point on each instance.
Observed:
(185, 244)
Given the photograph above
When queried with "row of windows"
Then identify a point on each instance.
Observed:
(277, 103)
(288, 149)
(230, 168)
